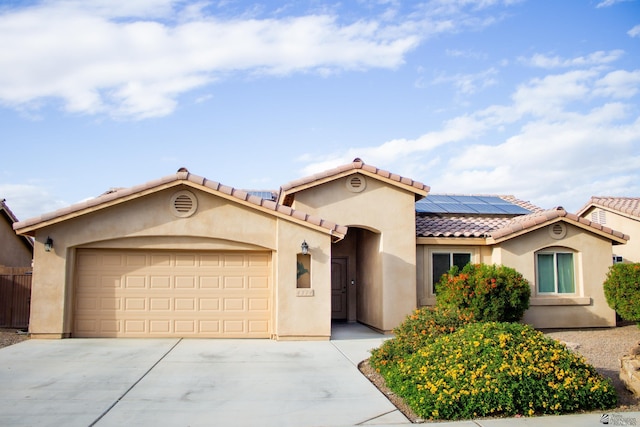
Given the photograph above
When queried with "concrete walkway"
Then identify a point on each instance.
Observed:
(191, 382)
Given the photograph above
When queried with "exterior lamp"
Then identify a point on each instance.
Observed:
(48, 244)
(304, 247)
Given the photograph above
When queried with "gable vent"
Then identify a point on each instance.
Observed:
(558, 230)
(184, 204)
(356, 183)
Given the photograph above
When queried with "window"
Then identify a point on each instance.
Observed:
(555, 273)
(441, 263)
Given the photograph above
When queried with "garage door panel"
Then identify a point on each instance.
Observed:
(156, 293)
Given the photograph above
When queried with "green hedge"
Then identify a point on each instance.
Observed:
(622, 290)
(490, 293)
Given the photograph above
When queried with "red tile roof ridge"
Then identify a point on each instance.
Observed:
(181, 176)
(357, 164)
(625, 205)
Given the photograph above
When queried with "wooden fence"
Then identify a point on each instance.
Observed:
(15, 297)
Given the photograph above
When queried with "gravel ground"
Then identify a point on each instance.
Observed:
(602, 348)
(11, 336)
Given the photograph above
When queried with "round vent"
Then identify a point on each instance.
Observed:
(356, 183)
(184, 204)
(558, 230)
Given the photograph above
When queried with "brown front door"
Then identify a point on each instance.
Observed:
(339, 288)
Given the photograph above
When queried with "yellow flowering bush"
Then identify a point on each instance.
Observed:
(495, 369)
(419, 328)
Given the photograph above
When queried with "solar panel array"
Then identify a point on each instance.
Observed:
(267, 195)
(468, 205)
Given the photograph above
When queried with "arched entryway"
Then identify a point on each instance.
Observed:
(356, 287)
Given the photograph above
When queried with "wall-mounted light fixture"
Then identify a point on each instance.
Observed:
(48, 244)
(304, 247)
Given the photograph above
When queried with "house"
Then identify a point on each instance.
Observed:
(185, 256)
(15, 250)
(620, 213)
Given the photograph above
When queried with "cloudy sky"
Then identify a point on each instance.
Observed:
(539, 98)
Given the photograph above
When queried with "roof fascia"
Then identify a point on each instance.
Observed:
(221, 191)
(418, 192)
(591, 206)
(455, 241)
(614, 239)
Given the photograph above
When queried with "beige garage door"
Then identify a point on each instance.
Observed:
(172, 294)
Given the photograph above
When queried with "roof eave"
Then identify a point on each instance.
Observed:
(29, 227)
(616, 237)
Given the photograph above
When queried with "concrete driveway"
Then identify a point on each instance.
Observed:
(192, 382)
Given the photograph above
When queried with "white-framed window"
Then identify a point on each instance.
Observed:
(442, 261)
(555, 272)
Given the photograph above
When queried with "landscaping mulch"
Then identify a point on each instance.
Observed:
(601, 347)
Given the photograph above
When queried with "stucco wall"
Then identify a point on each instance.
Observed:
(389, 211)
(588, 307)
(13, 252)
(148, 223)
(630, 252)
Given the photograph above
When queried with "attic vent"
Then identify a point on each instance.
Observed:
(558, 230)
(356, 183)
(184, 204)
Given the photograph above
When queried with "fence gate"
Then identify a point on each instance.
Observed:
(15, 297)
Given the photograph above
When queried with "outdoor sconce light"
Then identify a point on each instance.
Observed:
(304, 247)
(48, 244)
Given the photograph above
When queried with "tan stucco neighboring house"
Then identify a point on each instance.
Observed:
(15, 250)
(620, 213)
(185, 256)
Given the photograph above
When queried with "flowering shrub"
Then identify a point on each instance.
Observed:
(418, 329)
(622, 290)
(492, 369)
(490, 293)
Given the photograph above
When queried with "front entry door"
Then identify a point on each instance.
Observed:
(339, 288)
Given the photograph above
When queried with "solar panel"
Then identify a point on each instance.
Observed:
(514, 209)
(424, 206)
(492, 205)
(267, 195)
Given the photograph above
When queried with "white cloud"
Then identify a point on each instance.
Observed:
(27, 201)
(634, 32)
(595, 58)
(468, 84)
(74, 51)
(619, 84)
(607, 3)
(568, 137)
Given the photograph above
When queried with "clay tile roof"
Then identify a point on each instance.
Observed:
(439, 225)
(468, 225)
(183, 175)
(357, 164)
(536, 219)
(625, 205)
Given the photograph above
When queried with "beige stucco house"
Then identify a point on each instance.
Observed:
(15, 250)
(619, 213)
(185, 256)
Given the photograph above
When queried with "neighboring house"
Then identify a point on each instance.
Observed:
(15, 251)
(185, 256)
(619, 213)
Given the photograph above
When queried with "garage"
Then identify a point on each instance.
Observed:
(158, 293)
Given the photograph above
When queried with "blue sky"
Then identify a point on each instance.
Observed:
(539, 98)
